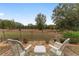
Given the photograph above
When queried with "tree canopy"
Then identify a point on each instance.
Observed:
(40, 21)
(66, 16)
(10, 24)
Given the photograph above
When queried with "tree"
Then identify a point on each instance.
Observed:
(66, 16)
(3, 27)
(10, 24)
(30, 26)
(51, 26)
(19, 26)
(40, 21)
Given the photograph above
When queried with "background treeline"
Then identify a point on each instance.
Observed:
(11, 24)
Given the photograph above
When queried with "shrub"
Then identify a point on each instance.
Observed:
(73, 35)
(74, 40)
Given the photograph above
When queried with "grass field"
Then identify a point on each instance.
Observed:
(30, 35)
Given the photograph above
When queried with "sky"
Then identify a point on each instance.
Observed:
(25, 13)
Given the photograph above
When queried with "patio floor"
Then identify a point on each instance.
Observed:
(70, 50)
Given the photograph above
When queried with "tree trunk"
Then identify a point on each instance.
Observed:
(3, 35)
(20, 38)
(42, 30)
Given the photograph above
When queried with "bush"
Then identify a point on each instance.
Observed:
(73, 35)
(74, 40)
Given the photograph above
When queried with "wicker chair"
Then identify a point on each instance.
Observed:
(58, 48)
(17, 48)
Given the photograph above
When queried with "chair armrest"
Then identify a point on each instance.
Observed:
(53, 47)
(28, 47)
(57, 44)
